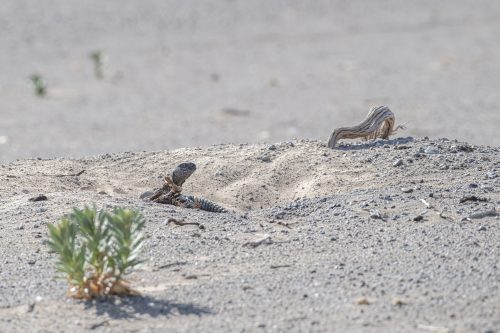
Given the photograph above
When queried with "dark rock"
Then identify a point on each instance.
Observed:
(472, 198)
(40, 197)
(418, 218)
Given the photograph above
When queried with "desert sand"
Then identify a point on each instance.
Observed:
(316, 239)
(398, 235)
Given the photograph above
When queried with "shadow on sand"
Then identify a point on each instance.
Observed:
(130, 307)
(377, 143)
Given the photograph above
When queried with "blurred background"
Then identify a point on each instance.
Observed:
(80, 77)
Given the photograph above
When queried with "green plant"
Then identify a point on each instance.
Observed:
(98, 59)
(39, 84)
(96, 249)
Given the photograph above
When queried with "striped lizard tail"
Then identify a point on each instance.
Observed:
(189, 201)
(379, 123)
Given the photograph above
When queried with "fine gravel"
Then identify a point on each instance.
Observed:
(396, 235)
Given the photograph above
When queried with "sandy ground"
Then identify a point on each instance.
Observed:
(202, 72)
(349, 245)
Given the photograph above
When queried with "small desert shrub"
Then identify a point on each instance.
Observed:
(96, 249)
(98, 60)
(39, 85)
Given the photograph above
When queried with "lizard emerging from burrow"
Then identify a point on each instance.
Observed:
(171, 191)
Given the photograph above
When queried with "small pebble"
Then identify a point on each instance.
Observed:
(363, 301)
(398, 162)
(406, 189)
(431, 150)
(375, 214)
(279, 215)
(398, 302)
(265, 158)
(486, 188)
(491, 175)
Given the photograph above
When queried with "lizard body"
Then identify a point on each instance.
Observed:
(378, 123)
(171, 191)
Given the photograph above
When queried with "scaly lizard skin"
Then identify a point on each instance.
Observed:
(171, 192)
(189, 201)
(379, 123)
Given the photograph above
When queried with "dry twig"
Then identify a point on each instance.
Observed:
(181, 223)
(79, 173)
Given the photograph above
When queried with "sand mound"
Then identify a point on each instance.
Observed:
(240, 177)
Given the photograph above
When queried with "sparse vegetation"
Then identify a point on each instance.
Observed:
(39, 84)
(96, 249)
(98, 59)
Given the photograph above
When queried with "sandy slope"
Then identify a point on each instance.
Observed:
(340, 228)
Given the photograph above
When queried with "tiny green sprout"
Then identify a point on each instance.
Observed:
(96, 249)
(98, 59)
(39, 84)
